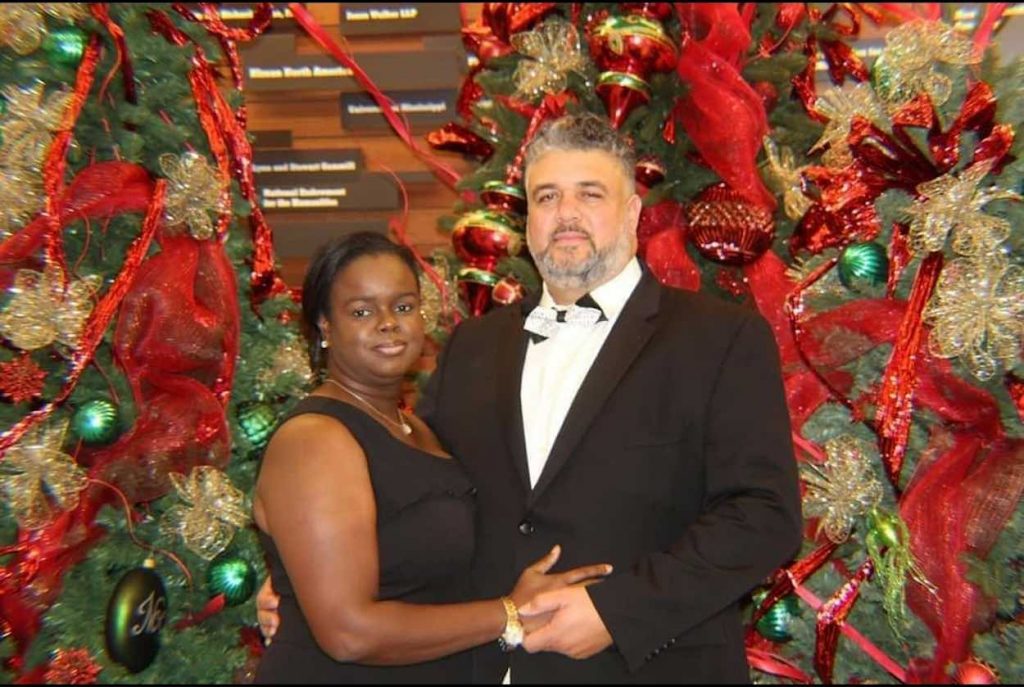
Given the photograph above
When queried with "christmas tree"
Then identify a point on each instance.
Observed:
(136, 265)
(873, 223)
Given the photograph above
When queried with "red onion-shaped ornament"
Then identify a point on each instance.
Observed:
(728, 229)
(476, 286)
(483, 237)
(497, 195)
(975, 672)
(622, 93)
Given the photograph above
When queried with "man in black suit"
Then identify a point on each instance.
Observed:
(632, 424)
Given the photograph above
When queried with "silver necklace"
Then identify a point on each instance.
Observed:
(401, 423)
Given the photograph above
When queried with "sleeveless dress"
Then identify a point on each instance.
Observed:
(425, 514)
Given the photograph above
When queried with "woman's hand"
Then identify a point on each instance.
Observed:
(266, 610)
(536, 579)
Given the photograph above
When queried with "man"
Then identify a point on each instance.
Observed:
(630, 423)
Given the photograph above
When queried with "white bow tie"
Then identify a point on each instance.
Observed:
(544, 322)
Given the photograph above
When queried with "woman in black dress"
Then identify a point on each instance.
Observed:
(366, 521)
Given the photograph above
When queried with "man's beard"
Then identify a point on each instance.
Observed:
(592, 271)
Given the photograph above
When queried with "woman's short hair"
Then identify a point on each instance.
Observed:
(327, 263)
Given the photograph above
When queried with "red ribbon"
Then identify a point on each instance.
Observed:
(102, 14)
(444, 172)
(212, 608)
(832, 618)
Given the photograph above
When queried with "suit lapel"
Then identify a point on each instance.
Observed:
(630, 333)
(509, 358)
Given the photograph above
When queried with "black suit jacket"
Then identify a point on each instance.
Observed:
(674, 464)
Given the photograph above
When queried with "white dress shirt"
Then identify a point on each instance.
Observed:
(555, 368)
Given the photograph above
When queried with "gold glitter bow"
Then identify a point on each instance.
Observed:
(783, 168)
(212, 511)
(841, 105)
(41, 313)
(842, 489)
(38, 479)
(438, 311)
(977, 313)
(906, 66)
(27, 130)
(193, 190)
(23, 24)
(953, 204)
(551, 52)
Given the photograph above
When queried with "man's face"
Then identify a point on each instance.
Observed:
(583, 213)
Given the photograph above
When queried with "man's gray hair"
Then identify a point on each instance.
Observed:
(585, 131)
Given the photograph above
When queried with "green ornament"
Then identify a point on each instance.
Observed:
(232, 576)
(97, 422)
(863, 265)
(257, 421)
(135, 615)
(776, 622)
(65, 46)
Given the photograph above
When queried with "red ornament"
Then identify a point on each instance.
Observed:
(768, 93)
(628, 49)
(459, 139)
(507, 291)
(975, 672)
(483, 237)
(650, 171)
(72, 667)
(498, 195)
(476, 286)
(21, 379)
(728, 229)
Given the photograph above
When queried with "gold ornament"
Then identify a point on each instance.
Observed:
(23, 24)
(841, 490)
(909, 57)
(193, 190)
(27, 131)
(38, 479)
(213, 510)
(841, 105)
(41, 313)
(290, 358)
(438, 312)
(953, 204)
(783, 168)
(977, 313)
(551, 52)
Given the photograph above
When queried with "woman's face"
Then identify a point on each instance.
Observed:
(374, 328)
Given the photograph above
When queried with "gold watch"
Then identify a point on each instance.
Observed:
(512, 637)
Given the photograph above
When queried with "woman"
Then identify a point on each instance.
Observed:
(367, 522)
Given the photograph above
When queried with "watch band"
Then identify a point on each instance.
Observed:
(512, 637)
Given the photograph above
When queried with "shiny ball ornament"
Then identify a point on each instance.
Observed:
(727, 228)
(863, 265)
(96, 422)
(232, 576)
(135, 615)
(65, 46)
(975, 672)
(257, 421)
(649, 171)
(507, 291)
(501, 196)
(484, 237)
(777, 621)
(632, 43)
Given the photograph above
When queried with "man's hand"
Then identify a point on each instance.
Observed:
(266, 611)
(575, 628)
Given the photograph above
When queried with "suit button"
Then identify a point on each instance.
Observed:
(472, 491)
(526, 528)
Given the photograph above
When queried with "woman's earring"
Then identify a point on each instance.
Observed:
(323, 343)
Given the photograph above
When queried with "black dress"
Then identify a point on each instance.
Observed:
(425, 511)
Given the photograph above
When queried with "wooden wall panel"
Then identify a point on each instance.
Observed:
(314, 119)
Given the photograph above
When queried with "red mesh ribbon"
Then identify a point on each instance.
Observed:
(832, 617)
(661, 244)
(721, 113)
(223, 128)
(444, 172)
